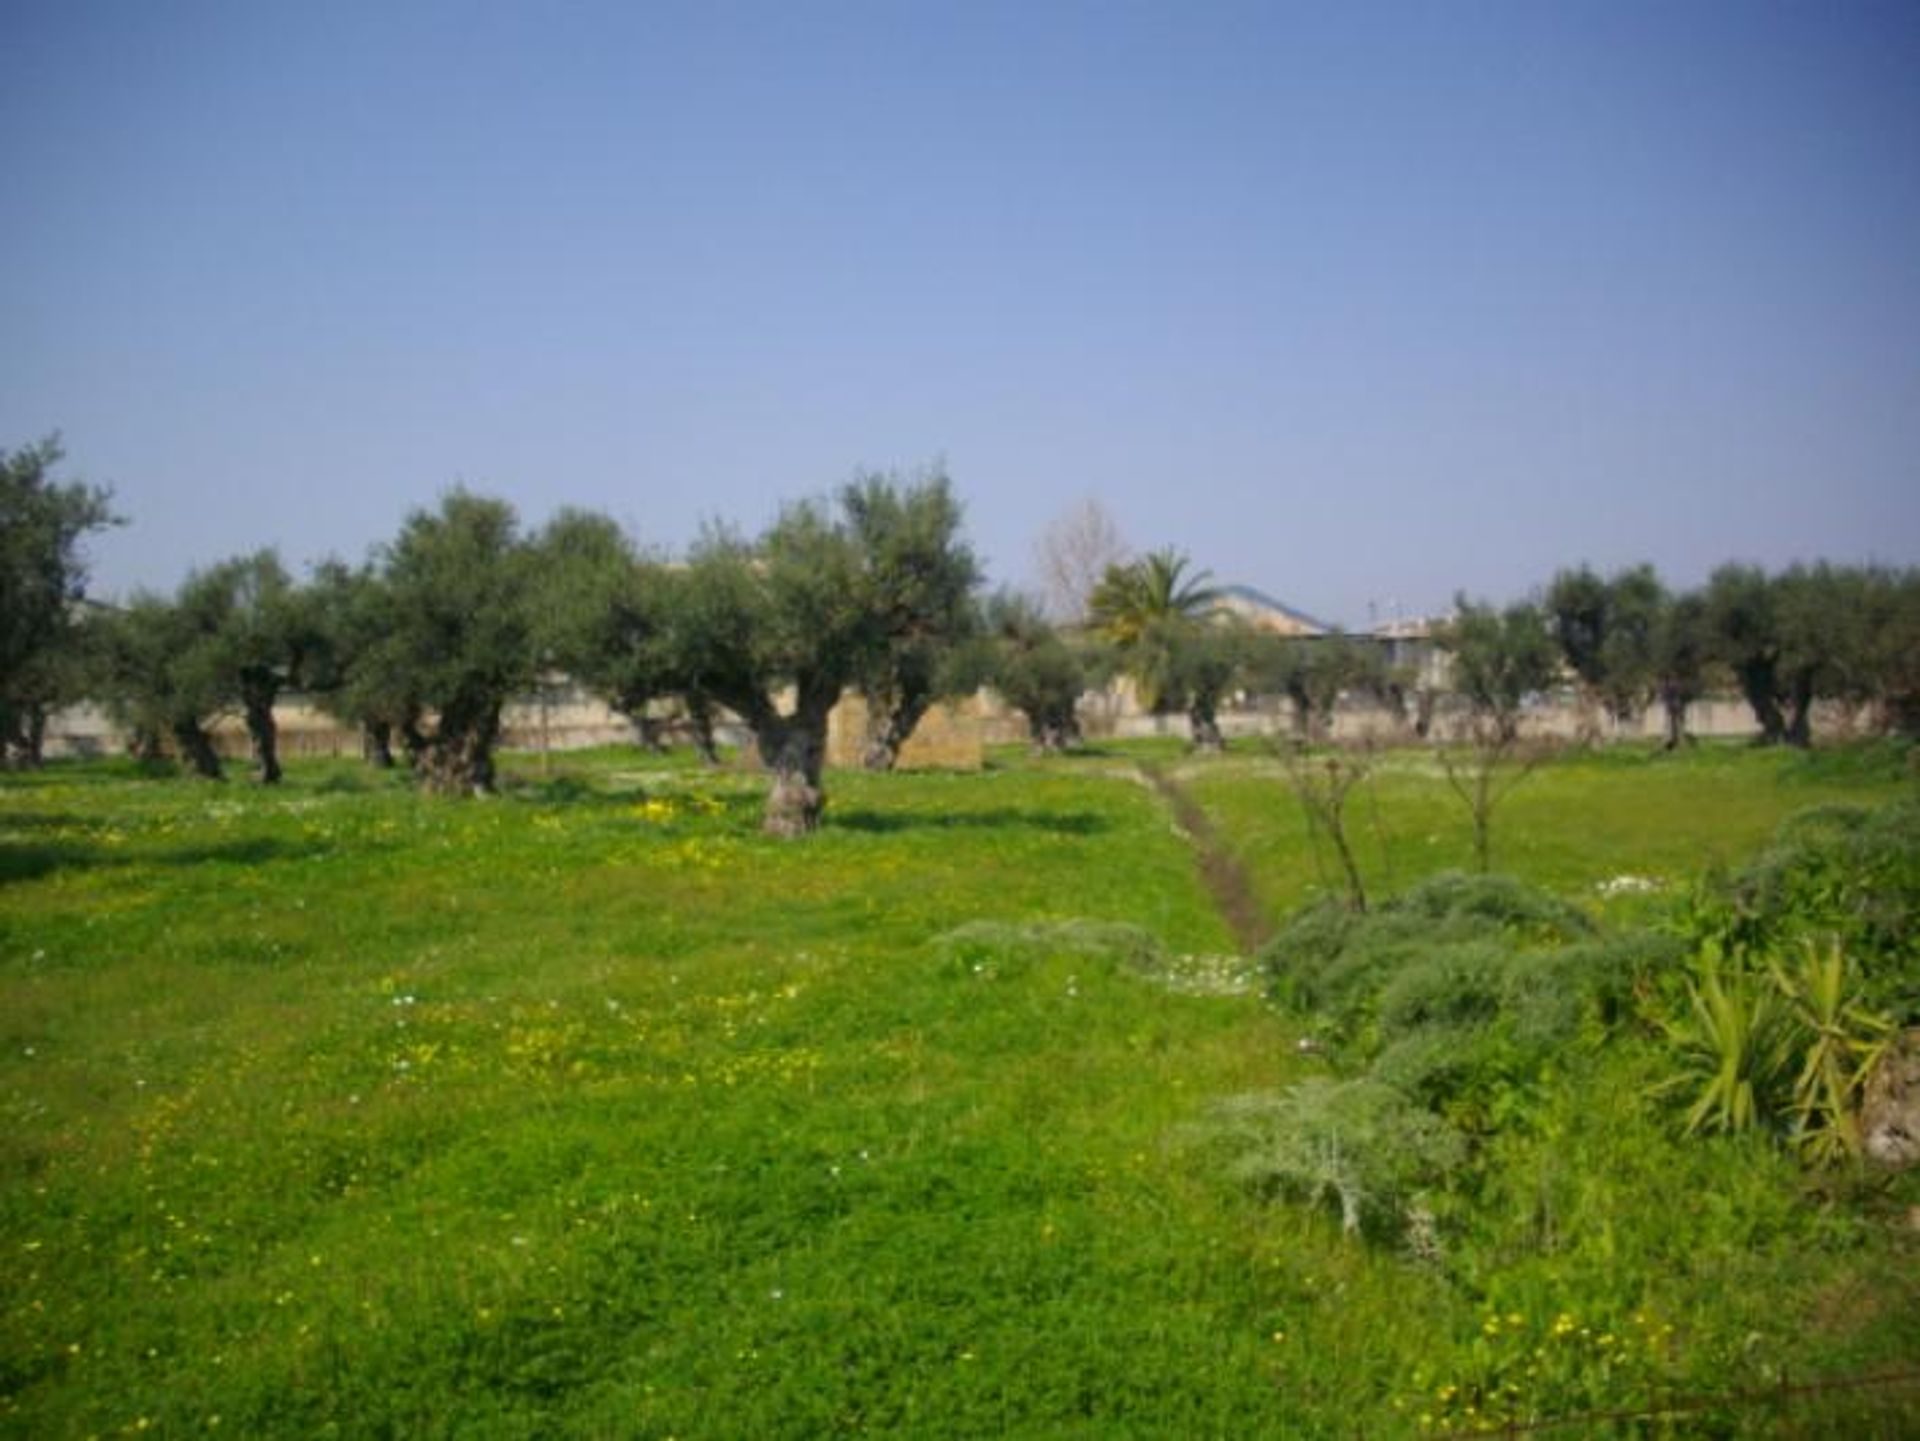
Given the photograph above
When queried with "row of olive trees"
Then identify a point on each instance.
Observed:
(425, 644)
(422, 646)
(1845, 634)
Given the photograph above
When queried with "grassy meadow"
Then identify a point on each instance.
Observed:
(586, 1110)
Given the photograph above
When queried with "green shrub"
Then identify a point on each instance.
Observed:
(1329, 959)
(1359, 1143)
(1446, 986)
(1516, 908)
(1477, 1077)
(1845, 871)
(1602, 983)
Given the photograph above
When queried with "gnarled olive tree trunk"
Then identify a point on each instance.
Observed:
(1050, 733)
(889, 724)
(1760, 686)
(196, 749)
(1674, 703)
(459, 755)
(26, 743)
(1799, 728)
(794, 749)
(376, 744)
(415, 740)
(256, 699)
(1204, 723)
(144, 744)
(700, 719)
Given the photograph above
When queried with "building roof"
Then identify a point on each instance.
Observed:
(1257, 604)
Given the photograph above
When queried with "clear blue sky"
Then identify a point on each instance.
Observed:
(1354, 303)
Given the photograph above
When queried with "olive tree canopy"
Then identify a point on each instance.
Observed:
(42, 575)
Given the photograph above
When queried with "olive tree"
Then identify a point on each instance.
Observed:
(164, 676)
(1034, 667)
(780, 621)
(1191, 666)
(1605, 630)
(920, 577)
(1894, 649)
(1744, 621)
(1500, 657)
(1680, 657)
(602, 615)
(357, 670)
(253, 629)
(1313, 672)
(776, 630)
(42, 577)
(458, 583)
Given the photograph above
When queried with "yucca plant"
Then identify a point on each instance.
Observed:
(1736, 1042)
(1843, 1039)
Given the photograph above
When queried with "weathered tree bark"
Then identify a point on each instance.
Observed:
(376, 744)
(1901, 713)
(1799, 729)
(794, 749)
(1675, 705)
(25, 743)
(1302, 712)
(196, 748)
(415, 740)
(1205, 727)
(256, 698)
(649, 729)
(889, 724)
(145, 745)
(1045, 734)
(36, 737)
(1760, 686)
(700, 718)
(459, 756)
(1424, 701)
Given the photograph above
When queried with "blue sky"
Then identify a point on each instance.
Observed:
(1358, 304)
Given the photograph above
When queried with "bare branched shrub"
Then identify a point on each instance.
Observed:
(1483, 763)
(1324, 781)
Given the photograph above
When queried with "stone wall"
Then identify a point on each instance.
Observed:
(950, 737)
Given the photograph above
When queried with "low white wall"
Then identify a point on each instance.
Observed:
(572, 720)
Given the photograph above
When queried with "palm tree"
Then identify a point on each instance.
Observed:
(1159, 620)
(1132, 598)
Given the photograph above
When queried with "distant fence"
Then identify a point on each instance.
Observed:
(1780, 1397)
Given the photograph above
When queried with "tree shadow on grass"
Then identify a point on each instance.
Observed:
(32, 860)
(1064, 823)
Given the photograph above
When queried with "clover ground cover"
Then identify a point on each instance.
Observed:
(590, 1111)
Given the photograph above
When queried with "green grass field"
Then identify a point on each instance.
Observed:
(586, 1110)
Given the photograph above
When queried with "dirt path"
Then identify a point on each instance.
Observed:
(1225, 879)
